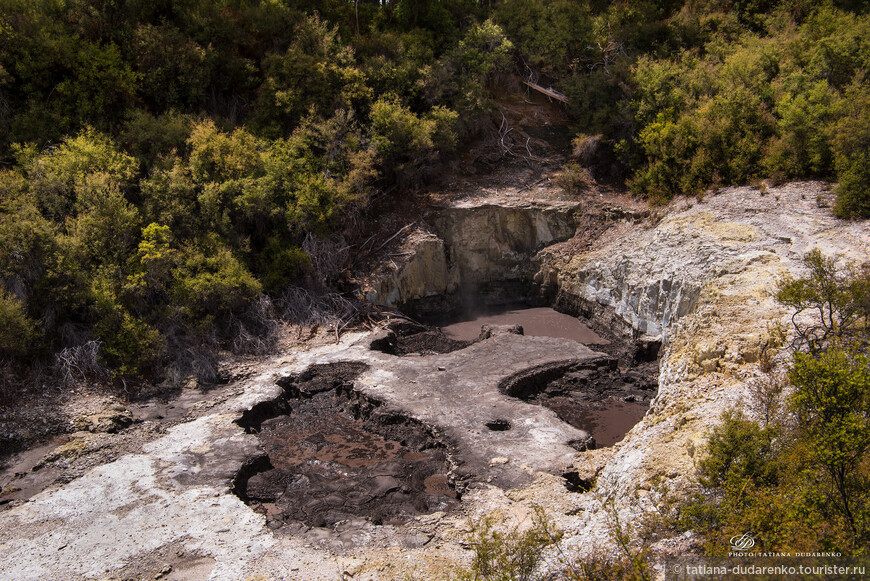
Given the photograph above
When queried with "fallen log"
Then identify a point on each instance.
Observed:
(548, 92)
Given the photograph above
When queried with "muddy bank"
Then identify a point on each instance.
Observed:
(605, 401)
(599, 397)
(407, 337)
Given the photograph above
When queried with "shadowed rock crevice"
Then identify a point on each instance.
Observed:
(498, 425)
(332, 454)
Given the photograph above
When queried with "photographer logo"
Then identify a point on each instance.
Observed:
(742, 542)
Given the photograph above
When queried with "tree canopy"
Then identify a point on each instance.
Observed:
(164, 162)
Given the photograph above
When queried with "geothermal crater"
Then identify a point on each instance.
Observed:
(152, 497)
(422, 416)
(492, 386)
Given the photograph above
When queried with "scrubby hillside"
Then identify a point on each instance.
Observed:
(171, 169)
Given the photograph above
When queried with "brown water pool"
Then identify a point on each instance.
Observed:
(536, 321)
(607, 421)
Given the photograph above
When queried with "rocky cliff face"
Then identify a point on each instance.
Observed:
(702, 279)
(705, 279)
(422, 271)
(497, 243)
(482, 250)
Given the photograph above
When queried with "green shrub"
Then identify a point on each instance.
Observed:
(394, 61)
(315, 205)
(840, 297)
(216, 156)
(173, 67)
(316, 74)
(282, 265)
(551, 34)
(152, 269)
(18, 333)
(130, 347)
(784, 99)
(211, 282)
(169, 196)
(427, 14)
(852, 153)
(512, 555)
(806, 118)
(801, 482)
(27, 240)
(59, 175)
(106, 224)
(832, 401)
(574, 178)
(483, 52)
(405, 141)
(738, 452)
(154, 138)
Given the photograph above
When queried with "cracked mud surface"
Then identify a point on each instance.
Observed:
(334, 456)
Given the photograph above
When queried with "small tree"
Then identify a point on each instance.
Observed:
(802, 482)
(832, 402)
(841, 299)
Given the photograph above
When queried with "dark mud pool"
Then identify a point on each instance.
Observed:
(536, 321)
(332, 455)
(607, 421)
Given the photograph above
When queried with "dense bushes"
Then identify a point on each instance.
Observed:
(88, 264)
(783, 101)
(163, 166)
(698, 95)
(851, 146)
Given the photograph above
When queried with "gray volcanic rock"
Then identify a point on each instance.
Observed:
(703, 278)
(458, 394)
(487, 331)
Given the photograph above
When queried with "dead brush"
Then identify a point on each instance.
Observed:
(257, 330)
(303, 308)
(329, 256)
(79, 363)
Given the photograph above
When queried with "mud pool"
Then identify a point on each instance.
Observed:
(607, 421)
(607, 403)
(535, 321)
(333, 452)
(332, 456)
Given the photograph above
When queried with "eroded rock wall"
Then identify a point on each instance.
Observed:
(705, 278)
(493, 244)
(422, 271)
(484, 253)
